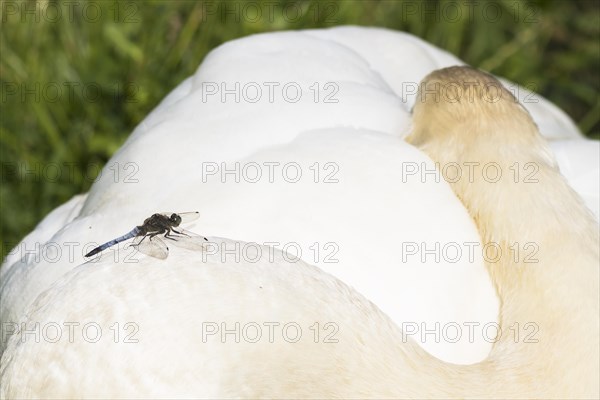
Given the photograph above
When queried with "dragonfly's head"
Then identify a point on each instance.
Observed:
(175, 219)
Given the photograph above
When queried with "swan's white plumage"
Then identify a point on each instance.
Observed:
(399, 58)
(159, 364)
(579, 162)
(369, 66)
(52, 223)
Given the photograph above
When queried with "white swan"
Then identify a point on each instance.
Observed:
(376, 72)
(182, 353)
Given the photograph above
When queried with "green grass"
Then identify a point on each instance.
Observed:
(132, 55)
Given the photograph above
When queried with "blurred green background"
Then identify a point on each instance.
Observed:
(78, 77)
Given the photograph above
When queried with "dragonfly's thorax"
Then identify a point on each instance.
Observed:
(158, 223)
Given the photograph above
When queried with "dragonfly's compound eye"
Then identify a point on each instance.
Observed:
(175, 219)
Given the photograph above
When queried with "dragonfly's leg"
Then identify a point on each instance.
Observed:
(154, 234)
(181, 233)
(170, 236)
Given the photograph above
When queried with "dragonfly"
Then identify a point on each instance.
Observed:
(147, 242)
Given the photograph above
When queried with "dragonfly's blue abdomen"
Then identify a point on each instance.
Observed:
(133, 233)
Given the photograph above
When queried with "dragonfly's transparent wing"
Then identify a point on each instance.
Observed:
(153, 247)
(188, 240)
(185, 216)
(188, 217)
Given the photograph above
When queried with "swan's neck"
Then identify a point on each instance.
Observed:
(547, 272)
